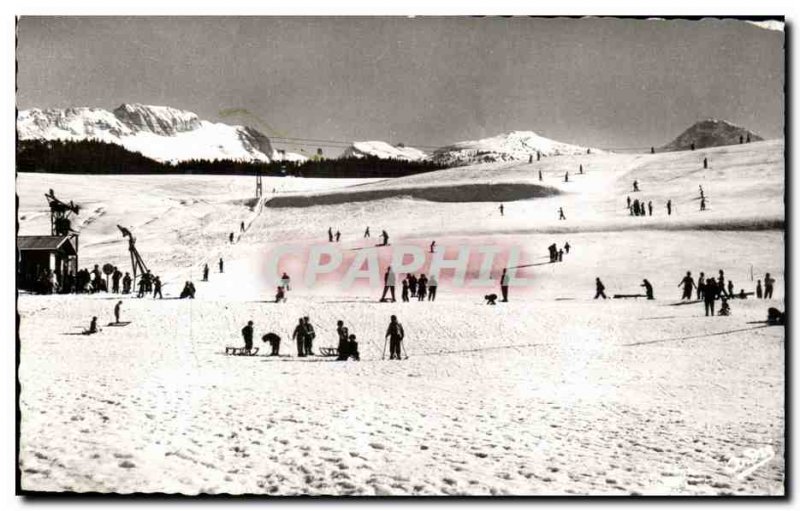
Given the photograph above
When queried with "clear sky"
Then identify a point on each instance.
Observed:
(425, 81)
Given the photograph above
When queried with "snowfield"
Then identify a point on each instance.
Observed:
(553, 393)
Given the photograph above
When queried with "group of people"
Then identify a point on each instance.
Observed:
(304, 335)
(336, 236)
(557, 254)
(640, 208)
(421, 287)
(280, 293)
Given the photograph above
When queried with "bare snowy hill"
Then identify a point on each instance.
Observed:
(383, 150)
(512, 146)
(163, 133)
(711, 133)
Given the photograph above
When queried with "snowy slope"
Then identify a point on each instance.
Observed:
(515, 145)
(552, 393)
(383, 150)
(159, 132)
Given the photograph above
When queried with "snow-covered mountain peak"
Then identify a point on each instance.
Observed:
(383, 150)
(161, 120)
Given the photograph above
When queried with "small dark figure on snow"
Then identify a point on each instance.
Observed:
(540, 175)
(702, 204)
(688, 284)
(366, 232)
(566, 177)
(505, 278)
(629, 202)
(759, 291)
(92, 327)
(247, 334)
(299, 335)
(724, 308)
(117, 308)
(433, 246)
(650, 207)
(669, 207)
(395, 334)
(769, 282)
(710, 293)
(205, 273)
(560, 255)
(701, 285)
(126, 283)
(774, 316)
(648, 289)
(274, 341)
(404, 293)
(280, 295)
(309, 337)
(338, 235)
(230, 237)
(501, 209)
(342, 348)
(422, 287)
(491, 299)
(385, 237)
(330, 235)
(220, 265)
(412, 285)
(561, 214)
(433, 285)
(730, 288)
(389, 282)
(705, 163)
(600, 289)
(580, 170)
(636, 186)
(157, 287)
(566, 247)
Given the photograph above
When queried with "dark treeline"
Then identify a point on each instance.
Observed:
(95, 157)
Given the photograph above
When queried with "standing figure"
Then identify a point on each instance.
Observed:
(220, 265)
(230, 237)
(688, 283)
(501, 210)
(561, 214)
(560, 255)
(274, 341)
(566, 177)
(629, 202)
(580, 170)
(330, 234)
(650, 207)
(759, 291)
(635, 186)
(338, 235)
(115, 277)
(247, 334)
(286, 281)
(366, 232)
(730, 289)
(433, 245)
(433, 284)
(157, 287)
(648, 289)
(669, 207)
(389, 280)
(701, 285)
(126, 284)
(412, 284)
(422, 287)
(404, 292)
(705, 163)
(566, 247)
(600, 289)
(299, 335)
(709, 295)
(205, 272)
(241, 227)
(117, 308)
(702, 204)
(769, 282)
(385, 237)
(540, 175)
(341, 332)
(396, 335)
(310, 334)
(504, 281)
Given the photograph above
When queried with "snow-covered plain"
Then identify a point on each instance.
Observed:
(552, 393)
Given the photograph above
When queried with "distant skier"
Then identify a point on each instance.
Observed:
(629, 202)
(600, 289)
(580, 170)
(705, 163)
(566, 247)
(709, 295)
(366, 232)
(636, 186)
(505, 278)
(688, 284)
(433, 246)
(433, 284)
(702, 204)
(241, 227)
(389, 281)
(117, 308)
(730, 289)
(385, 237)
(220, 265)
(299, 335)
(157, 287)
(338, 235)
(769, 282)
(330, 235)
(396, 335)
(540, 175)
(702, 195)
(310, 334)
(530, 158)
(205, 273)
(422, 287)
(566, 177)
(501, 210)
(759, 291)
(126, 283)
(561, 214)
(274, 341)
(650, 207)
(247, 334)
(286, 281)
(701, 285)
(560, 255)
(669, 207)
(404, 292)
(92, 327)
(648, 289)
(230, 237)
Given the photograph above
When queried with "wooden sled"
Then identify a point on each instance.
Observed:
(629, 296)
(329, 352)
(240, 352)
(121, 323)
(685, 303)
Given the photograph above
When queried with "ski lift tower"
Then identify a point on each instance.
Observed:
(136, 259)
(60, 224)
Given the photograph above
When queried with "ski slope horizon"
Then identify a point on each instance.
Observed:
(553, 393)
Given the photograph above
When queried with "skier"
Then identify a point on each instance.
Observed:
(299, 335)
(702, 195)
(724, 309)
(247, 333)
(730, 288)
(580, 171)
(115, 280)
(433, 245)
(540, 175)
(600, 289)
(702, 204)
(560, 255)
(230, 237)
(433, 283)
(561, 214)
(126, 284)
(385, 237)
(566, 177)
(709, 295)
(395, 334)
(366, 232)
(342, 348)
(285, 281)
(629, 202)
(701, 285)
(422, 287)
(504, 280)
(220, 265)
(648, 289)
(759, 291)
(157, 287)
(330, 235)
(404, 293)
(205, 273)
(768, 283)
(705, 163)
(566, 247)
(501, 210)
(669, 207)
(688, 284)
(650, 207)
(309, 336)
(117, 310)
(389, 281)
(721, 284)
(636, 186)
(92, 327)
(274, 341)
(338, 235)
(241, 227)
(412, 284)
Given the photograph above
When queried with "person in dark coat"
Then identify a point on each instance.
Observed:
(730, 289)
(274, 341)
(669, 207)
(769, 283)
(412, 284)
(759, 291)
(338, 235)
(404, 294)
(648, 289)
(385, 237)
(504, 281)
(299, 335)
(115, 278)
(230, 237)
(157, 287)
(701, 285)
(566, 247)
(220, 265)
(205, 273)
(396, 335)
(342, 348)
(352, 347)
(117, 308)
(330, 235)
(710, 292)
(688, 284)
(650, 207)
(600, 289)
(560, 255)
(366, 232)
(92, 327)
(126, 284)
(422, 287)
(247, 334)
(309, 337)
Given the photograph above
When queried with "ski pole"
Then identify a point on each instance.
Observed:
(383, 357)
(403, 346)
